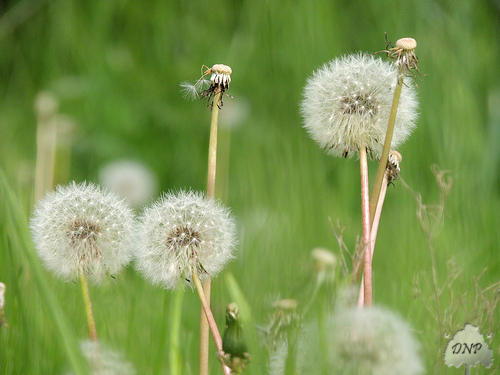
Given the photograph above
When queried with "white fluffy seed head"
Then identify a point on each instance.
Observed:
(131, 180)
(347, 104)
(82, 228)
(366, 341)
(181, 233)
(104, 361)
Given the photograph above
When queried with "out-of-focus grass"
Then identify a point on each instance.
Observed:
(116, 68)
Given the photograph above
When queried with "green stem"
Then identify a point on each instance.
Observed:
(175, 366)
(209, 317)
(88, 307)
(212, 168)
(387, 147)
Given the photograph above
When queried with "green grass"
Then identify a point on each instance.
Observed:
(116, 67)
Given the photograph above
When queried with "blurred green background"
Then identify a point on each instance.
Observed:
(116, 66)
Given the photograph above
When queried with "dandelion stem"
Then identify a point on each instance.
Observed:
(45, 156)
(212, 168)
(175, 365)
(373, 233)
(365, 211)
(210, 318)
(88, 307)
(387, 146)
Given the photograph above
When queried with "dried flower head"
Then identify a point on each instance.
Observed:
(403, 54)
(362, 341)
(129, 179)
(184, 233)
(219, 82)
(81, 228)
(347, 104)
(284, 320)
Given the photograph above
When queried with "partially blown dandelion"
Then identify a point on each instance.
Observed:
(203, 88)
(181, 234)
(82, 230)
(347, 104)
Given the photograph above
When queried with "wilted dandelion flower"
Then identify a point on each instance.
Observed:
(362, 341)
(347, 104)
(129, 179)
(184, 233)
(82, 229)
(219, 82)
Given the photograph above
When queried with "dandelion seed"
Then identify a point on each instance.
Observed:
(347, 104)
(82, 229)
(181, 234)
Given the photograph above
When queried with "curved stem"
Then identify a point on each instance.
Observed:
(210, 318)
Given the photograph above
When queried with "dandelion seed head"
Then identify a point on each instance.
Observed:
(46, 105)
(362, 341)
(347, 104)
(82, 228)
(182, 233)
(130, 180)
(104, 361)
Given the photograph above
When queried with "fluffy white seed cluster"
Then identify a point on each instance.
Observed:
(347, 104)
(362, 341)
(81, 228)
(129, 179)
(105, 361)
(183, 233)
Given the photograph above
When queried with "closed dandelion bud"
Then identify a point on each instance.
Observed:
(184, 233)
(82, 229)
(347, 105)
(234, 349)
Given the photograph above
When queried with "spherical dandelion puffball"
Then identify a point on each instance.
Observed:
(347, 104)
(81, 228)
(181, 233)
(129, 179)
(362, 341)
